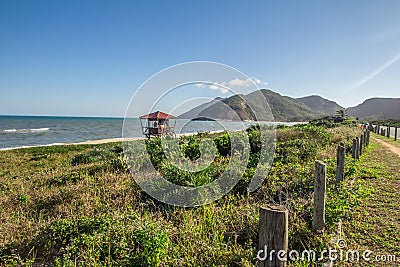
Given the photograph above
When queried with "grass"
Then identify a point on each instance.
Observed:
(375, 224)
(79, 205)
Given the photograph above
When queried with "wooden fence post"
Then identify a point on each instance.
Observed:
(365, 138)
(395, 134)
(378, 130)
(273, 235)
(388, 132)
(340, 157)
(361, 144)
(318, 222)
(357, 148)
(353, 149)
(368, 136)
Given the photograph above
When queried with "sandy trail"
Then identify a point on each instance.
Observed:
(391, 147)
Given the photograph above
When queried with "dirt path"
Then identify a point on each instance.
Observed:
(391, 147)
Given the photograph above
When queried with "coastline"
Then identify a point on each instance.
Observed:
(57, 131)
(88, 142)
(98, 141)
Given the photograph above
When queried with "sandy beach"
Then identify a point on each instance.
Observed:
(109, 140)
(89, 142)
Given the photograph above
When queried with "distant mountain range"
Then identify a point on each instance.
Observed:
(377, 109)
(284, 108)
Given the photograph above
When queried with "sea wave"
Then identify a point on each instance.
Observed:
(34, 130)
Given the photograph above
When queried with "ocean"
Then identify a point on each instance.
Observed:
(27, 131)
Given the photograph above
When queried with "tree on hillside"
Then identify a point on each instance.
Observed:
(341, 113)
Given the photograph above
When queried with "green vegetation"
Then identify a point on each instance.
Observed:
(375, 225)
(80, 206)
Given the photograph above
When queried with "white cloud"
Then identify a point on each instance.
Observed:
(200, 85)
(213, 86)
(258, 81)
(235, 83)
(238, 82)
(244, 83)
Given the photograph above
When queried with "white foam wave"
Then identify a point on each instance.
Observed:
(34, 130)
(39, 130)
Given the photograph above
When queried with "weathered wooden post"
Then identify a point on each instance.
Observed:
(340, 157)
(273, 235)
(361, 144)
(318, 222)
(357, 148)
(365, 138)
(379, 129)
(368, 136)
(395, 134)
(353, 149)
(388, 132)
(383, 132)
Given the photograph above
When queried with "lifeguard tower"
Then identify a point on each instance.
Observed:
(157, 124)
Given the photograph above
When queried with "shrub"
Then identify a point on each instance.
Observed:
(190, 147)
(223, 144)
(155, 151)
(23, 198)
(112, 157)
(67, 178)
(122, 241)
(94, 155)
(293, 150)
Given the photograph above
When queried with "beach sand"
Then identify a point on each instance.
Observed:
(109, 140)
(89, 142)
(112, 140)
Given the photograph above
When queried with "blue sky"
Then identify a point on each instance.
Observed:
(87, 58)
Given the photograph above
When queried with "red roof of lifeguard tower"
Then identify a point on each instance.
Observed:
(157, 115)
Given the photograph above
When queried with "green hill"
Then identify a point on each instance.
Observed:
(320, 104)
(284, 108)
(241, 107)
(377, 109)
